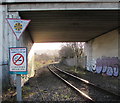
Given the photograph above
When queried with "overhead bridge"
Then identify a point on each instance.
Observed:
(67, 20)
(94, 22)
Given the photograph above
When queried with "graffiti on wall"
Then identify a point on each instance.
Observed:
(107, 65)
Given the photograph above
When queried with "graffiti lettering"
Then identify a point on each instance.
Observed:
(108, 66)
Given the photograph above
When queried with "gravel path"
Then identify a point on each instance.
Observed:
(46, 87)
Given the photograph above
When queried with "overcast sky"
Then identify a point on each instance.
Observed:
(47, 46)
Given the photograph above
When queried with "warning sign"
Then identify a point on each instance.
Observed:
(18, 59)
(18, 26)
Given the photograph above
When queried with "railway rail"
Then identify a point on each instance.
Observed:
(88, 90)
(87, 82)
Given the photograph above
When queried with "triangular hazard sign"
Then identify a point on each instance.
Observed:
(18, 26)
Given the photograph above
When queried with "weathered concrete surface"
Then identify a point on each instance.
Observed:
(3, 48)
(51, 19)
(119, 42)
(70, 25)
(64, 6)
(88, 53)
(105, 45)
(8, 39)
(102, 54)
(1, 20)
(61, 1)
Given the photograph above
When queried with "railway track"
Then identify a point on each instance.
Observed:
(88, 90)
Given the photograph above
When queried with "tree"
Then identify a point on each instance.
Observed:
(66, 52)
(72, 49)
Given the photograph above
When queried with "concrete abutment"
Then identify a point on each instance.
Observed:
(7, 40)
(103, 53)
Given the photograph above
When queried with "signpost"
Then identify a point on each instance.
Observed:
(18, 55)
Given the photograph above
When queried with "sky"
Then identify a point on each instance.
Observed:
(47, 46)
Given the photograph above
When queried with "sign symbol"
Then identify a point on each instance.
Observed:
(18, 26)
(18, 59)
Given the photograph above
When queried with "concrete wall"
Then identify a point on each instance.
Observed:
(102, 54)
(105, 45)
(119, 43)
(4, 43)
(26, 41)
(1, 49)
(8, 39)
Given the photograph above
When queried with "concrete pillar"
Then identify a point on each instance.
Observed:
(8, 39)
(1, 49)
(119, 33)
(4, 76)
(119, 52)
(88, 53)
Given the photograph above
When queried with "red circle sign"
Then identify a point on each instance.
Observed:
(18, 59)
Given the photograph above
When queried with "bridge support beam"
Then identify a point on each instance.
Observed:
(62, 6)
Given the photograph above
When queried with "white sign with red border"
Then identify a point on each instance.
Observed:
(18, 59)
(18, 26)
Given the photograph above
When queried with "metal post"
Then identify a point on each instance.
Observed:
(18, 81)
(19, 89)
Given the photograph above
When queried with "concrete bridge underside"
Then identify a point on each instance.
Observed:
(70, 25)
(67, 20)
